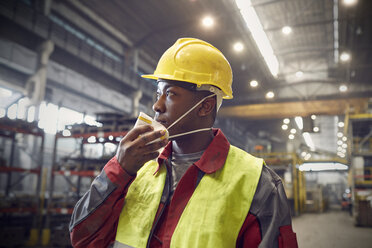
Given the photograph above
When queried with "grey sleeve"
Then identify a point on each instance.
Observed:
(99, 190)
(270, 206)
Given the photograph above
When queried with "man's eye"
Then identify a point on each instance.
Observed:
(169, 93)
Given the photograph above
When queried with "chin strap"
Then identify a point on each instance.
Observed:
(191, 109)
(190, 132)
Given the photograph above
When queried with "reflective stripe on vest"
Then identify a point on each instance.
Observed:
(212, 217)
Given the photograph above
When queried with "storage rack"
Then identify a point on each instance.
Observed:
(22, 216)
(359, 129)
(59, 210)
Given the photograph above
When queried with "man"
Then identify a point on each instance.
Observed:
(201, 191)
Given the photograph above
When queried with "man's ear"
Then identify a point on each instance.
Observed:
(207, 106)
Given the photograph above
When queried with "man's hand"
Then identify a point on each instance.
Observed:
(133, 152)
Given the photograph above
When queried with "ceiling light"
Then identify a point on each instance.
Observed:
(255, 27)
(343, 88)
(343, 151)
(286, 121)
(270, 95)
(309, 141)
(339, 148)
(339, 142)
(316, 129)
(253, 83)
(344, 145)
(345, 56)
(344, 138)
(349, 2)
(293, 130)
(299, 74)
(291, 136)
(284, 127)
(308, 156)
(286, 30)
(238, 46)
(339, 134)
(341, 124)
(208, 22)
(313, 117)
(303, 154)
(299, 122)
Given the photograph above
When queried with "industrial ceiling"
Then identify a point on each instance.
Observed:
(309, 39)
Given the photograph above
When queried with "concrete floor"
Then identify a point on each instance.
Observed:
(330, 229)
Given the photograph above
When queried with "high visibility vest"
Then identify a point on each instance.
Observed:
(214, 214)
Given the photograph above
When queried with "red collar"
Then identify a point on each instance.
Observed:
(213, 158)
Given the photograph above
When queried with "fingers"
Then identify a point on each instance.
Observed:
(153, 146)
(135, 132)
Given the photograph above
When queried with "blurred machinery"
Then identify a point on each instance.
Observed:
(359, 130)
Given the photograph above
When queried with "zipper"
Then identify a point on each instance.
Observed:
(168, 184)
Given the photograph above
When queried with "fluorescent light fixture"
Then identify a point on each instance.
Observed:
(293, 131)
(208, 22)
(308, 140)
(345, 56)
(341, 124)
(255, 27)
(299, 74)
(299, 122)
(313, 117)
(286, 30)
(349, 2)
(284, 126)
(291, 136)
(253, 83)
(343, 88)
(286, 121)
(270, 95)
(324, 166)
(238, 46)
(316, 129)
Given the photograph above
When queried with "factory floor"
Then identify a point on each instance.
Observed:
(334, 228)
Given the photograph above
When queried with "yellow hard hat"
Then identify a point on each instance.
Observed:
(195, 61)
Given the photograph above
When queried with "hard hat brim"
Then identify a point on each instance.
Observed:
(168, 77)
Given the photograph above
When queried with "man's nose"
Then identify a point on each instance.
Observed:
(159, 105)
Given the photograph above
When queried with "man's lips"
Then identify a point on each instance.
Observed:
(163, 122)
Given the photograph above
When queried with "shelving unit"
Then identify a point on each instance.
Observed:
(73, 169)
(13, 207)
(360, 150)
